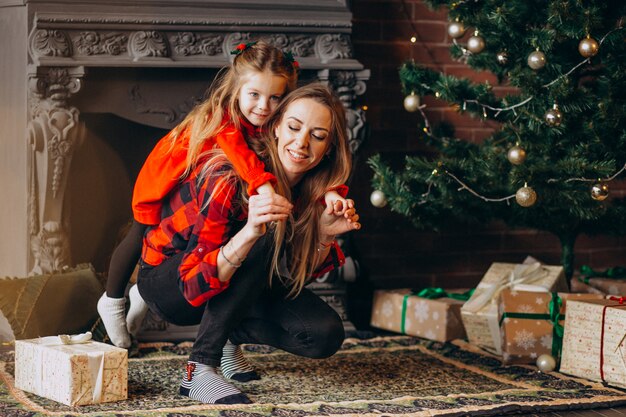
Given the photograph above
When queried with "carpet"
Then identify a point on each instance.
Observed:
(395, 375)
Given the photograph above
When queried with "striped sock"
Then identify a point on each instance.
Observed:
(235, 366)
(203, 384)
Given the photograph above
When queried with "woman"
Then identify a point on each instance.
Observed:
(214, 260)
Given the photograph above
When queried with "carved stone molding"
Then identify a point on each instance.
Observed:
(50, 43)
(53, 133)
(348, 85)
(100, 47)
(143, 44)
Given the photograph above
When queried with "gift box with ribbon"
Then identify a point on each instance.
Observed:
(611, 281)
(480, 312)
(432, 313)
(594, 340)
(72, 374)
(531, 323)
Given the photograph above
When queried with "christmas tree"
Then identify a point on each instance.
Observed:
(561, 139)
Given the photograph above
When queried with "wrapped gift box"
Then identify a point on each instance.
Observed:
(594, 343)
(608, 286)
(480, 312)
(525, 323)
(76, 374)
(403, 312)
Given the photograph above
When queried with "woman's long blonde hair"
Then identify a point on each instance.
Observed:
(205, 120)
(298, 238)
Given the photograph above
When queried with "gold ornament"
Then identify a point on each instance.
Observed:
(588, 47)
(516, 155)
(475, 43)
(456, 29)
(378, 199)
(502, 57)
(600, 191)
(526, 196)
(411, 102)
(553, 117)
(546, 363)
(536, 60)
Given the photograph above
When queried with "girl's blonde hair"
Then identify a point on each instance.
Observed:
(298, 238)
(205, 120)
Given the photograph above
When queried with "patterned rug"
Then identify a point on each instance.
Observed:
(388, 376)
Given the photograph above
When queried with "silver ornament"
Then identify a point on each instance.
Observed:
(516, 155)
(588, 47)
(502, 57)
(411, 102)
(475, 43)
(600, 191)
(553, 117)
(456, 29)
(378, 199)
(546, 363)
(536, 60)
(526, 196)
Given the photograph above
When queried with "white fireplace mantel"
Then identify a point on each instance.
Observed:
(55, 61)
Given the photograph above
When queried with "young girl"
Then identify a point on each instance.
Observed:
(241, 99)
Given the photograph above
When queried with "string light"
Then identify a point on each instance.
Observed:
(611, 178)
(463, 186)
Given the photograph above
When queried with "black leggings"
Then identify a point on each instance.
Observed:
(248, 311)
(124, 260)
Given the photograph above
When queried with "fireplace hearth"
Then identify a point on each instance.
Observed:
(87, 88)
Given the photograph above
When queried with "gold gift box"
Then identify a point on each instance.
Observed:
(525, 324)
(594, 341)
(403, 312)
(74, 374)
(480, 312)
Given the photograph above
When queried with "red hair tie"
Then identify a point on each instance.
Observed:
(242, 47)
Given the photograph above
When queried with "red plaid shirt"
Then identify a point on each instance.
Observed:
(201, 233)
(162, 170)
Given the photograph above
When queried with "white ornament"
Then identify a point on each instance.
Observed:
(378, 199)
(411, 102)
(546, 363)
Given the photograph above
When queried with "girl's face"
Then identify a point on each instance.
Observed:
(303, 136)
(259, 95)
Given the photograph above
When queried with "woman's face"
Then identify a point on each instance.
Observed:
(303, 136)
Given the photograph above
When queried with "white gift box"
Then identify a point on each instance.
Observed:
(73, 374)
(594, 341)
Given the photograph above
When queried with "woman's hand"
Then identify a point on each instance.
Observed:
(265, 208)
(332, 223)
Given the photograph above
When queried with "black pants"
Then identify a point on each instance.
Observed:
(248, 311)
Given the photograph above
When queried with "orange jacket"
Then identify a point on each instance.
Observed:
(164, 166)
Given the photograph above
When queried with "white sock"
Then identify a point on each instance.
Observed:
(202, 383)
(113, 313)
(136, 312)
(235, 366)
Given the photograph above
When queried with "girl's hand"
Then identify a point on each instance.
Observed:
(335, 203)
(332, 224)
(265, 208)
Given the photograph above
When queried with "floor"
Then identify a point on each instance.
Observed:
(608, 412)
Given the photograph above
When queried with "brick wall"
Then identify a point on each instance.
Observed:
(392, 253)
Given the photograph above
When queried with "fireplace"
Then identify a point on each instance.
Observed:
(87, 89)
